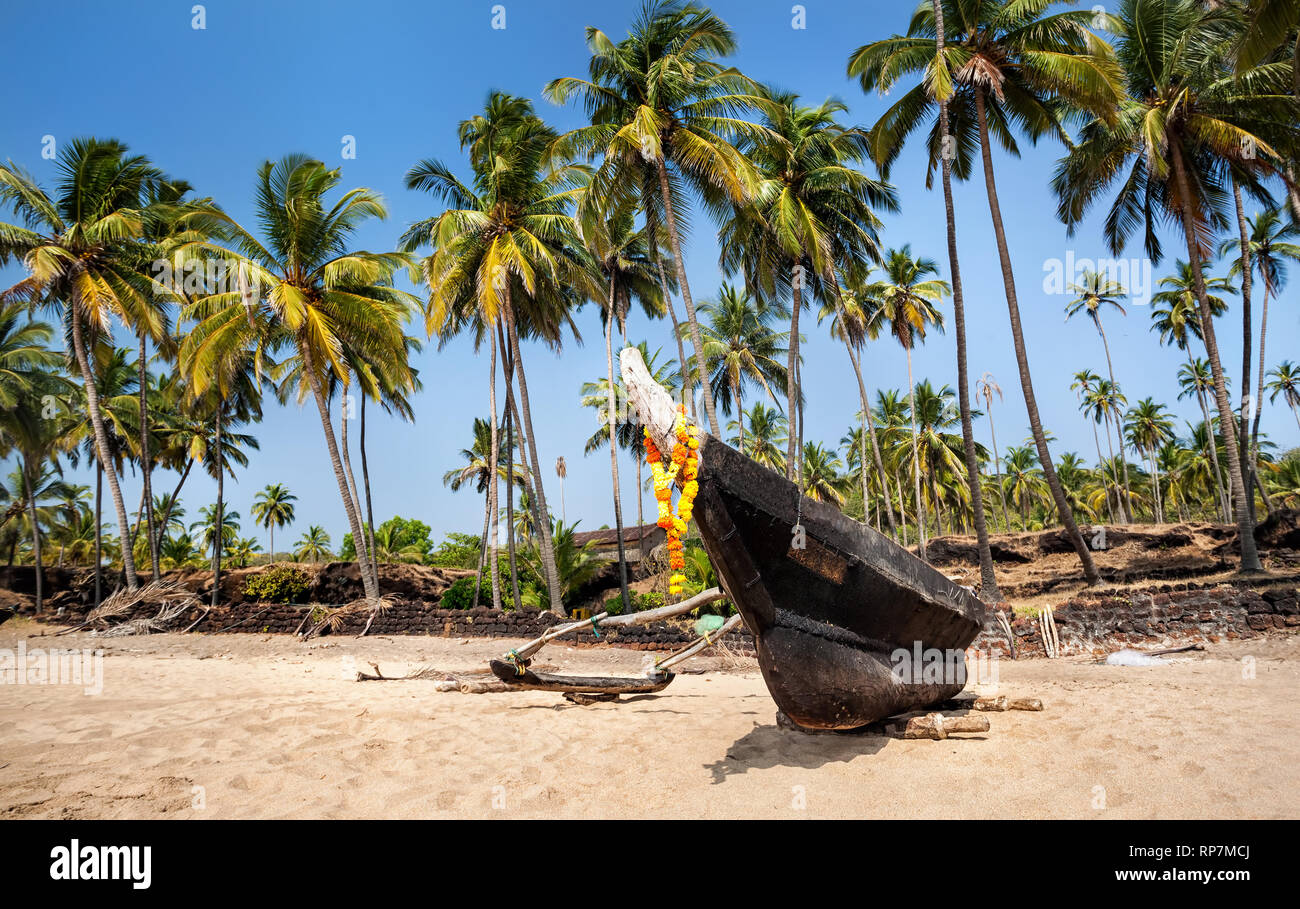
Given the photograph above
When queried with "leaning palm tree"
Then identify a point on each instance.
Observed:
(1284, 380)
(313, 294)
(314, 545)
(274, 508)
(81, 249)
(813, 212)
(664, 113)
(905, 302)
(1005, 65)
(1184, 128)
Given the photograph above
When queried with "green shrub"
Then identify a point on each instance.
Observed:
(460, 595)
(650, 600)
(282, 584)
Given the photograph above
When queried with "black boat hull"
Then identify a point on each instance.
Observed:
(849, 627)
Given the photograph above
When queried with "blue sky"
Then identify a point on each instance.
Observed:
(266, 78)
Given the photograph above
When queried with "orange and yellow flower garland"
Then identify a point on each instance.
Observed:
(685, 463)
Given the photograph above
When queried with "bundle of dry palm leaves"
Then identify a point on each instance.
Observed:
(170, 600)
(333, 618)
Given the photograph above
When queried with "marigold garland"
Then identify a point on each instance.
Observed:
(685, 464)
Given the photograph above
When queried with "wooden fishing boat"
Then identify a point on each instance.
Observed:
(849, 627)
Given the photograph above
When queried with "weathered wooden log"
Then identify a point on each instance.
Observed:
(509, 674)
(937, 726)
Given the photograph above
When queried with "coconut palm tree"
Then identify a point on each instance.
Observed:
(1002, 65)
(1175, 314)
(506, 256)
(273, 508)
(764, 441)
(1025, 481)
(621, 262)
(812, 213)
(741, 347)
(1148, 427)
(989, 590)
(314, 545)
(986, 387)
(1196, 380)
(1270, 248)
(1084, 386)
(210, 518)
(664, 113)
(629, 433)
(1284, 380)
(1184, 128)
(905, 302)
(848, 324)
(80, 247)
(823, 474)
(312, 294)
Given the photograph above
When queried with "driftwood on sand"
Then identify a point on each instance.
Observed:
(937, 726)
(511, 675)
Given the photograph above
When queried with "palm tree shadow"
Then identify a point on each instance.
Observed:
(768, 746)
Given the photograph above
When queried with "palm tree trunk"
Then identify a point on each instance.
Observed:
(989, 591)
(612, 424)
(546, 548)
(916, 459)
(171, 503)
(1096, 441)
(793, 393)
(1022, 357)
(696, 340)
(30, 481)
(365, 553)
(1247, 280)
(494, 486)
(740, 416)
(482, 550)
(687, 399)
(102, 450)
(365, 485)
(1210, 443)
(1155, 473)
(1259, 403)
(997, 465)
(336, 461)
(1126, 506)
(219, 517)
(146, 463)
(870, 422)
(1244, 504)
(510, 472)
(99, 532)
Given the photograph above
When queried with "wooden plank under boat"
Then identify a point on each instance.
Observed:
(831, 618)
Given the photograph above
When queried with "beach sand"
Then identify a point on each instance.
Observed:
(260, 726)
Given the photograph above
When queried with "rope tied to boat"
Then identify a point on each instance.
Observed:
(595, 620)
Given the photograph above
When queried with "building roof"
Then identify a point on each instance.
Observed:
(632, 536)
